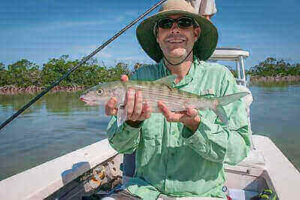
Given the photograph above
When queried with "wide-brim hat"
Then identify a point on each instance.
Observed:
(203, 47)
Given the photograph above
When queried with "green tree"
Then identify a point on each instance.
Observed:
(273, 67)
(234, 73)
(116, 72)
(89, 74)
(54, 69)
(3, 75)
(23, 73)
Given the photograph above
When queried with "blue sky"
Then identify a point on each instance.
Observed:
(41, 29)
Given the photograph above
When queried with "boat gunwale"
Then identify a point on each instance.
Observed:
(43, 180)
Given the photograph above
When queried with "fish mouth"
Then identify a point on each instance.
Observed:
(83, 99)
(89, 102)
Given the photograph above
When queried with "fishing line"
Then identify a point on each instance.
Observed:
(83, 60)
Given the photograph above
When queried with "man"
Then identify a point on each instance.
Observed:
(179, 154)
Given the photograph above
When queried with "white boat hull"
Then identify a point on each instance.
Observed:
(265, 167)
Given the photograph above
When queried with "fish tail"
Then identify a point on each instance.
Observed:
(225, 100)
(228, 99)
(220, 112)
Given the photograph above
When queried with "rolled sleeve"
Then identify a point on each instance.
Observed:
(218, 142)
(123, 139)
(209, 140)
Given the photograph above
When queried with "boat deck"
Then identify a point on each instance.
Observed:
(266, 167)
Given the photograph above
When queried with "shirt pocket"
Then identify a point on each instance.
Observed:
(208, 93)
(151, 139)
(149, 149)
(153, 127)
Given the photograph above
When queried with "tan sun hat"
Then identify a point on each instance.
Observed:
(203, 47)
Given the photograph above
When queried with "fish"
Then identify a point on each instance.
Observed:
(159, 90)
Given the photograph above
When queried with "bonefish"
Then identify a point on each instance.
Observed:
(154, 91)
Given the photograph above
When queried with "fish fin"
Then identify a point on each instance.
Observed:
(121, 115)
(225, 100)
(220, 112)
(168, 80)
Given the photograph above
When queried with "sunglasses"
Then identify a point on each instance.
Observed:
(182, 22)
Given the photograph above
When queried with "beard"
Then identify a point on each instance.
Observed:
(175, 46)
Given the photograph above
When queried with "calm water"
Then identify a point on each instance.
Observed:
(60, 123)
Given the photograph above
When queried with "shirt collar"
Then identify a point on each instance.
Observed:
(187, 78)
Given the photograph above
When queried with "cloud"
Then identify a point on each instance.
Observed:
(70, 24)
(105, 55)
(120, 18)
(81, 51)
(131, 60)
(131, 13)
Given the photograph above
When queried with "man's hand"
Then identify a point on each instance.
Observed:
(111, 105)
(136, 110)
(189, 118)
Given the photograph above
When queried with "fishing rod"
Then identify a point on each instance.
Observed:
(83, 60)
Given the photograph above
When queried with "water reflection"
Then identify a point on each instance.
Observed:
(278, 84)
(60, 102)
(15, 102)
(64, 103)
(60, 123)
(57, 124)
(274, 113)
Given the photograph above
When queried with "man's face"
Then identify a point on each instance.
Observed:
(177, 42)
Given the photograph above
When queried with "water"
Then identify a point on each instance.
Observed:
(275, 113)
(59, 123)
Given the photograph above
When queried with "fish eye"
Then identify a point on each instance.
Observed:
(100, 91)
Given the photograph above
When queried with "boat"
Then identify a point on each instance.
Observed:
(97, 168)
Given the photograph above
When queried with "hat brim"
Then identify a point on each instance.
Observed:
(203, 47)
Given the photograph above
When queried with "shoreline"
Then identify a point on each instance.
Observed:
(274, 79)
(13, 90)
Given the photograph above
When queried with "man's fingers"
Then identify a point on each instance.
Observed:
(146, 112)
(138, 105)
(114, 112)
(166, 112)
(110, 107)
(163, 108)
(170, 116)
(124, 78)
(183, 116)
(191, 112)
(130, 98)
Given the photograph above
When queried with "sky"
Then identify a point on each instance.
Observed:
(38, 30)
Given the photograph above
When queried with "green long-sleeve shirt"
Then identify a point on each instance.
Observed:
(170, 159)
